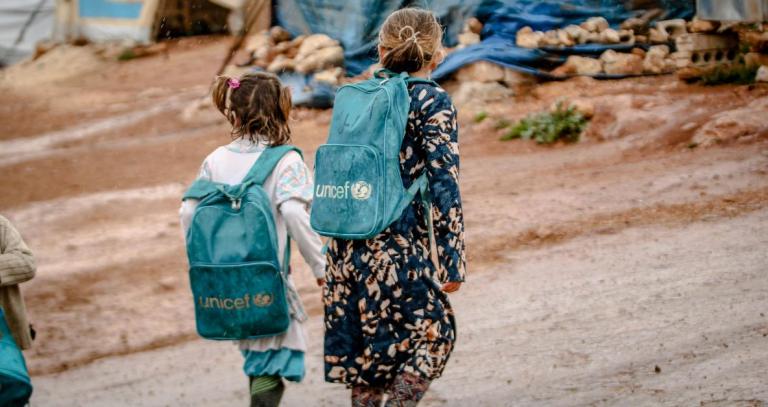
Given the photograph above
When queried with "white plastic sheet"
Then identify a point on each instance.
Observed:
(14, 15)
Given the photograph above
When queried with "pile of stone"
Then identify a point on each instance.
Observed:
(277, 51)
(596, 30)
(656, 60)
(484, 81)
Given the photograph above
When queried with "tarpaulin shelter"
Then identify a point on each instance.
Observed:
(22, 24)
(142, 21)
(99, 20)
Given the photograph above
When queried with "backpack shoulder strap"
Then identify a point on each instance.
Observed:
(267, 162)
(200, 189)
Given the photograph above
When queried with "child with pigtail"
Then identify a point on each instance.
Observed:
(258, 107)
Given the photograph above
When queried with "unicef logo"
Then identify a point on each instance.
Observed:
(361, 190)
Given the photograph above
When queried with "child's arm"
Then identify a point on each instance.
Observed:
(293, 195)
(188, 206)
(17, 264)
(440, 142)
(297, 221)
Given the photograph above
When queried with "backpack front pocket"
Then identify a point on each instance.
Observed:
(239, 301)
(348, 191)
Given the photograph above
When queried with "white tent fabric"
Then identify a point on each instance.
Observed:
(22, 24)
(733, 10)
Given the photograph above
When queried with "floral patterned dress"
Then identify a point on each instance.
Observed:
(384, 311)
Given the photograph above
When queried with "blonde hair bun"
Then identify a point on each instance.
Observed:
(411, 38)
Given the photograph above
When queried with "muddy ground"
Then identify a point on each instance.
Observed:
(627, 269)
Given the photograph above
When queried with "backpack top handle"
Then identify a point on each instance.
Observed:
(386, 74)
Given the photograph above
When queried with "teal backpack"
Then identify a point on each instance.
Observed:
(358, 188)
(237, 284)
(15, 387)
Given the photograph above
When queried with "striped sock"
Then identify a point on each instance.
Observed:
(261, 384)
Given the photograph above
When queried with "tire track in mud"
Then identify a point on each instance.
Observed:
(111, 166)
(24, 149)
(494, 250)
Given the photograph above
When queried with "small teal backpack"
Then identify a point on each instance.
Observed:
(15, 387)
(237, 284)
(358, 188)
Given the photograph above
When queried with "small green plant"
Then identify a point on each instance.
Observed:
(563, 123)
(739, 75)
(126, 55)
(480, 116)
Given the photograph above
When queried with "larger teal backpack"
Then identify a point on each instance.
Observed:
(358, 188)
(15, 387)
(238, 286)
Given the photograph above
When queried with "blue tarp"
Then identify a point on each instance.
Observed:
(356, 23)
(307, 92)
(502, 20)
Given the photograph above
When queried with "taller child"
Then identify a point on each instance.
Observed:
(389, 324)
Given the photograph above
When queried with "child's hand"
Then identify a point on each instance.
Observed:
(451, 287)
(320, 282)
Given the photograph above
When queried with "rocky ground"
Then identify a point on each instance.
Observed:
(627, 269)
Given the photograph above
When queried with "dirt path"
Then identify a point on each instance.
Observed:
(665, 168)
(648, 316)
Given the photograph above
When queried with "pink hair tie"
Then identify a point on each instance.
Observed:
(233, 83)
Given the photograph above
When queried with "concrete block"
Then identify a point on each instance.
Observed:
(700, 42)
(705, 50)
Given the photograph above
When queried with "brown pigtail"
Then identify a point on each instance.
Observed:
(219, 94)
(257, 106)
(285, 102)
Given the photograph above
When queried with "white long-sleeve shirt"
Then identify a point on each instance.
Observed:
(289, 188)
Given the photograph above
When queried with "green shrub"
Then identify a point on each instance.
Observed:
(480, 116)
(545, 128)
(739, 75)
